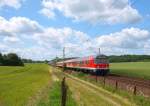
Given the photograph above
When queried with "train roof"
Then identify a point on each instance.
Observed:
(84, 58)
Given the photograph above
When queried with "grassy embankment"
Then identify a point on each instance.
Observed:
(133, 69)
(138, 100)
(87, 94)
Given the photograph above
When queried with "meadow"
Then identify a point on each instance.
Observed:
(133, 69)
(19, 84)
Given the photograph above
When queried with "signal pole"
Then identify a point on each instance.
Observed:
(99, 51)
(64, 53)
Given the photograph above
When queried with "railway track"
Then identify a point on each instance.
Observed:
(127, 83)
(130, 80)
(125, 79)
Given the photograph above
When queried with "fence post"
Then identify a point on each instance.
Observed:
(63, 92)
(104, 81)
(116, 84)
(96, 78)
(135, 89)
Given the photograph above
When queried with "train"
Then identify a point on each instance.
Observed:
(98, 64)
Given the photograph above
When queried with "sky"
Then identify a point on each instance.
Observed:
(40, 29)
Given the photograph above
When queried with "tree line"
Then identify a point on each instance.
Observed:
(129, 58)
(10, 59)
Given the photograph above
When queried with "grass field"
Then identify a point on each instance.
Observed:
(19, 84)
(134, 69)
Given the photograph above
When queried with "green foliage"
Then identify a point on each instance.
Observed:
(27, 60)
(19, 84)
(1, 59)
(10, 59)
(129, 58)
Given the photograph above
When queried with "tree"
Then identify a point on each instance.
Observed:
(14, 60)
(1, 59)
(46, 61)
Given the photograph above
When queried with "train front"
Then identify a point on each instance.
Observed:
(101, 64)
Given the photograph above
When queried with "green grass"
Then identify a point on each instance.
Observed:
(53, 97)
(133, 69)
(137, 99)
(19, 84)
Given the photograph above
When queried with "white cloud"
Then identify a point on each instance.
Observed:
(58, 38)
(14, 29)
(47, 13)
(46, 42)
(11, 3)
(129, 38)
(18, 25)
(93, 11)
(11, 39)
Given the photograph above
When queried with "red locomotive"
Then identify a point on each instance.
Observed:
(98, 65)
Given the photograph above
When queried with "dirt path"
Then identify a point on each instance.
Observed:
(88, 94)
(54, 77)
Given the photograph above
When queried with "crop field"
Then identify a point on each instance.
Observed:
(19, 84)
(133, 69)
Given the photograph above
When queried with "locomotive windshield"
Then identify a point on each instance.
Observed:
(101, 59)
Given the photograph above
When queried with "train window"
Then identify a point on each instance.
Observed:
(101, 60)
(87, 62)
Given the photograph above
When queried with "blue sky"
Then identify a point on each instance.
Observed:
(40, 29)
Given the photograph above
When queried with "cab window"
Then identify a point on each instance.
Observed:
(101, 60)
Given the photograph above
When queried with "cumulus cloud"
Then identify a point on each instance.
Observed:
(18, 25)
(57, 38)
(46, 42)
(13, 28)
(127, 38)
(93, 11)
(11, 3)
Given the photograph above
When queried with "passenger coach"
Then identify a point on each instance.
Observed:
(98, 65)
